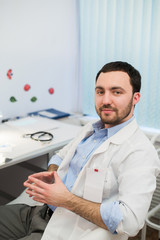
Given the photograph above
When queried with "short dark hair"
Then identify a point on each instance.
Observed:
(135, 77)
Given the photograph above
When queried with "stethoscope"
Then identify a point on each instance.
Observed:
(40, 136)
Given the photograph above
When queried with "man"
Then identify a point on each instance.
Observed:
(105, 177)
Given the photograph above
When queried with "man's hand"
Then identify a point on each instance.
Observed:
(42, 189)
(47, 187)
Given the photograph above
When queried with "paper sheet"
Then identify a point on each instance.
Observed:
(47, 114)
(33, 124)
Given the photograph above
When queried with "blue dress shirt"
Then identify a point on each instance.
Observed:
(110, 212)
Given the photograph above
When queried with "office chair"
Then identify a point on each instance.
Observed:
(155, 211)
(151, 224)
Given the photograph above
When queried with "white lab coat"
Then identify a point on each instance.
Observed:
(131, 165)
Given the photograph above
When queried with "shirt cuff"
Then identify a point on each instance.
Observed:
(55, 160)
(111, 215)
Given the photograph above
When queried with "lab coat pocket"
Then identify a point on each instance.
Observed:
(110, 184)
(94, 183)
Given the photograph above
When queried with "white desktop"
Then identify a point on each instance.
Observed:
(15, 148)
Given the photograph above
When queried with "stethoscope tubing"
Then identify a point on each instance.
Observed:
(41, 134)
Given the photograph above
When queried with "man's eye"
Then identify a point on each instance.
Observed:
(100, 92)
(117, 92)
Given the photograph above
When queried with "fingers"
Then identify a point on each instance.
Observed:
(36, 196)
(32, 183)
(40, 175)
(39, 189)
(37, 193)
(56, 178)
(46, 177)
(35, 187)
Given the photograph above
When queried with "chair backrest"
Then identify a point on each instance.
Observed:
(156, 195)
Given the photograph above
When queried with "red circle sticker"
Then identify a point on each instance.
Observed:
(51, 90)
(27, 87)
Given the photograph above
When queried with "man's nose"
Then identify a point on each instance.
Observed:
(107, 99)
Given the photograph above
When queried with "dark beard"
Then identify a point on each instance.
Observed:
(118, 118)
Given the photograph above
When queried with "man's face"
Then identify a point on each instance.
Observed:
(114, 98)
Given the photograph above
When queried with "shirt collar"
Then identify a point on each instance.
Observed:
(110, 131)
(115, 129)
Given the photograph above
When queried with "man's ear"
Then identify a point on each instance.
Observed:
(136, 97)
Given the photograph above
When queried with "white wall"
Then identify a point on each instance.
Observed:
(39, 42)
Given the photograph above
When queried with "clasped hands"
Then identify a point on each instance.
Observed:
(47, 187)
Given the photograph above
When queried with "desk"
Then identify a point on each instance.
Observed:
(27, 155)
(18, 149)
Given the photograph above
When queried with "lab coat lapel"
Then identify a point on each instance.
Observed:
(87, 131)
(118, 138)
